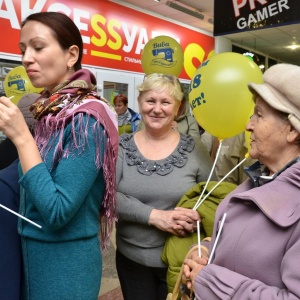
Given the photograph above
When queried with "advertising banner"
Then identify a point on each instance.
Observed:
(232, 16)
(113, 35)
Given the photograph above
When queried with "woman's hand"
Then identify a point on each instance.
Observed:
(179, 221)
(192, 266)
(14, 126)
(12, 122)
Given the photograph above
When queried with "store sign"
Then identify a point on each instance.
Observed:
(241, 15)
(113, 35)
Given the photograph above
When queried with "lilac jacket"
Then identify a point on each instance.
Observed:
(258, 252)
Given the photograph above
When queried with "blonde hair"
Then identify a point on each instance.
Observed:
(162, 83)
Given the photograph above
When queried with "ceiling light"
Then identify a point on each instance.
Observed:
(185, 10)
(293, 47)
(156, 0)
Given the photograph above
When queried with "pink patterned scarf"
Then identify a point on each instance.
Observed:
(77, 96)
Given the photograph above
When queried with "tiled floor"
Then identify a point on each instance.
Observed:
(110, 286)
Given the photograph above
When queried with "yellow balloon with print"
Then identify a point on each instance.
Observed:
(17, 84)
(162, 54)
(219, 95)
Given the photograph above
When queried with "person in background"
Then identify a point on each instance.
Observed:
(8, 151)
(67, 170)
(128, 120)
(236, 151)
(187, 124)
(11, 273)
(11, 277)
(258, 253)
(184, 122)
(155, 167)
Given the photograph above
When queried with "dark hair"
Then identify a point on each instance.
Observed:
(64, 30)
(122, 98)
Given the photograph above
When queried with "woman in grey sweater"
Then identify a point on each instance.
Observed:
(155, 167)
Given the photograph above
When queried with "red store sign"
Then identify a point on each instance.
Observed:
(113, 35)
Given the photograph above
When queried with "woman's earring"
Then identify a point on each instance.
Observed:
(70, 69)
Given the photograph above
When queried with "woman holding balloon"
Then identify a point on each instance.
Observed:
(257, 254)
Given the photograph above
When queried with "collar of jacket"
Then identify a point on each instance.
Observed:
(259, 173)
(278, 198)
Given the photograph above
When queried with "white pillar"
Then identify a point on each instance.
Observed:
(222, 45)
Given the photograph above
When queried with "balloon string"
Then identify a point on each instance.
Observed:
(199, 203)
(211, 172)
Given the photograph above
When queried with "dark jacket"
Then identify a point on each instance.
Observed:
(8, 153)
(10, 243)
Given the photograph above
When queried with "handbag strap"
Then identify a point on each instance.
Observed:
(174, 295)
(179, 278)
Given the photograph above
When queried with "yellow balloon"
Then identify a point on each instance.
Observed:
(162, 54)
(17, 84)
(219, 95)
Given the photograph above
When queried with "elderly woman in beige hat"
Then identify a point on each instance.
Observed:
(257, 254)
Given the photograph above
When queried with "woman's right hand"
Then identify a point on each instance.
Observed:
(178, 222)
(12, 122)
(14, 126)
(193, 264)
(191, 270)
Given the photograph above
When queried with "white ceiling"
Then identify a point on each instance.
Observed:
(271, 41)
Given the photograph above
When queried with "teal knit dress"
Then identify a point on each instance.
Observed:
(62, 260)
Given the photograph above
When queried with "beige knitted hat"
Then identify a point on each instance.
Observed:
(281, 90)
(24, 104)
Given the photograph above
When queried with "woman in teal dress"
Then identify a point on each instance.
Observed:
(67, 171)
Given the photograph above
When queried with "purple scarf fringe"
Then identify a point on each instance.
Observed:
(50, 128)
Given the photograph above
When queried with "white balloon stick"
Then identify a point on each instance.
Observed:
(199, 244)
(217, 238)
(198, 203)
(20, 216)
(211, 172)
